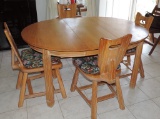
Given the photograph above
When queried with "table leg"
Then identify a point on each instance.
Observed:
(154, 45)
(48, 78)
(136, 66)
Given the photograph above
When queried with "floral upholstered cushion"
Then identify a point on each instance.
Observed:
(33, 59)
(131, 50)
(88, 64)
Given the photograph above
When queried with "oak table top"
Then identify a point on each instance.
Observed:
(74, 37)
(79, 34)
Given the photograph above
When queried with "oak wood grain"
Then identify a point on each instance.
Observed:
(71, 35)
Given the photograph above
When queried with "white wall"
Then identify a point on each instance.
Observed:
(41, 9)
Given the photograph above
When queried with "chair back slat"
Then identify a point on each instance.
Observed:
(67, 10)
(156, 11)
(111, 53)
(143, 21)
(12, 44)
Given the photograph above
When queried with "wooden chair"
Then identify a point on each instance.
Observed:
(67, 10)
(156, 12)
(143, 21)
(101, 69)
(146, 23)
(81, 8)
(30, 62)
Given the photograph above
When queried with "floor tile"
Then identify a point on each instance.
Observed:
(152, 69)
(106, 105)
(16, 114)
(42, 111)
(141, 79)
(74, 108)
(65, 62)
(8, 84)
(66, 74)
(37, 82)
(145, 110)
(67, 85)
(157, 101)
(117, 114)
(150, 87)
(37, 100)
(154, 57)
(9, 101)
(132, 96)
(146, 59)
(124, 81)
(7, 53)
(6, 61)
(7, 72)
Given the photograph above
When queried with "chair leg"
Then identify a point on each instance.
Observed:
(154, 46)
(129, 60)
(62, 89)
(152, 35)
(119, 94)
(94, 100)
(141, 70)
(19, 81)
(54, 73)
(23, 90)
(29, 85)
(54, 88)
(75, 80)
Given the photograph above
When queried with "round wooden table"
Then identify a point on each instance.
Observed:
(75, 37)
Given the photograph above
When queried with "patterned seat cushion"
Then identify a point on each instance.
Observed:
(33, 59)
(131, 50)
(88, 64)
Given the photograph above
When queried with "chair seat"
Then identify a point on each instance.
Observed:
(33, 59)
(88, 64)
(131, 50)
(154, 30)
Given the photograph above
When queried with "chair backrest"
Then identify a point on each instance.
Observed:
(67, 10)
(156, 11)
(15, 53)
(143, 21)
(111, 53)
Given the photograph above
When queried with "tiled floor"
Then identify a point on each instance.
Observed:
(143, 102)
